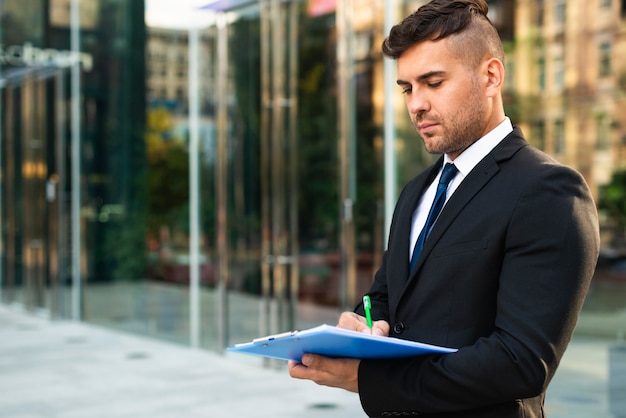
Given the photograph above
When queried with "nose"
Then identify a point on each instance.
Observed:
(417, 103)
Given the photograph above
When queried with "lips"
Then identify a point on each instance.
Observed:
(426, 127)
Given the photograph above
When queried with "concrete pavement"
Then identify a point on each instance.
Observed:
(62, 369)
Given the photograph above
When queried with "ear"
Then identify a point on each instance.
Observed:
(494, 71)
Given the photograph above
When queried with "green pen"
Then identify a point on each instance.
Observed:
(367, 305)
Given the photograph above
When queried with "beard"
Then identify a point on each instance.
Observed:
(455, 134)
(456, 130)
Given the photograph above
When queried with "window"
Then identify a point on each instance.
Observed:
(560, 11)
(180, 94)
(559, 80)
(559, 137)
(605, 59)
(603, 132)
(539, 134)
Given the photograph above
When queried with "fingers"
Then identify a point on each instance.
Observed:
(298, 370)
(308, 369)
(355, 322)
(350, 320)
(340, 373)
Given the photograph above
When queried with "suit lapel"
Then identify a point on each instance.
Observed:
(471, 185)
(401, 230)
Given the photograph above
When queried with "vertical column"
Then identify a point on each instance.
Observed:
(389, 124)
(266, 111)
(28, 122)
(61, 211)
(279, 215)
(3, 244)
(278, 311)
(9, 178)
(76, 158)
(292, 158)
(221, 181)
(347, 143)
(194, 191)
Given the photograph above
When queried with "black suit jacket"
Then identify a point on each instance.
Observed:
(502, 277)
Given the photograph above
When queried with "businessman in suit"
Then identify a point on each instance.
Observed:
(502, 273)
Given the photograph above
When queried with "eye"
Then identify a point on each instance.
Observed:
(405, 87)
(435, 84)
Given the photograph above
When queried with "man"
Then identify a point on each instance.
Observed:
(502, 274)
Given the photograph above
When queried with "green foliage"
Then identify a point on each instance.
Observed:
(168, 173)
(125, 246)
(317, 133)
(613, 199)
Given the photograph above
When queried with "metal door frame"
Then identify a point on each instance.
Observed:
(28, 155)
(280, 273)
(278, 165)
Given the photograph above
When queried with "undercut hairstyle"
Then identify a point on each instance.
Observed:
(470, 33)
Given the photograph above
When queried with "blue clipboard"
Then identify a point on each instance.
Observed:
(331, 341)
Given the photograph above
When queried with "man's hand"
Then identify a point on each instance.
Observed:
(338, 373)
(350, 320)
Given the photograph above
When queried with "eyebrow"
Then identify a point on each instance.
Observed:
(422, 77)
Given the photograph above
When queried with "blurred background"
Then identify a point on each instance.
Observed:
(205, 172)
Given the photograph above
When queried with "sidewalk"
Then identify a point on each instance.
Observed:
(60, 369)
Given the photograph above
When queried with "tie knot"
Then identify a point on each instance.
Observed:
(449, 171)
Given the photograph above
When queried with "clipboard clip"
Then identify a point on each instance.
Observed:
(275, 336)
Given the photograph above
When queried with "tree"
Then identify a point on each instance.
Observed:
(613, 201)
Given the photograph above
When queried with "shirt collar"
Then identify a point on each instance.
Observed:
(469, 158)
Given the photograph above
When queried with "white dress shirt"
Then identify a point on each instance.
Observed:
(465, 162)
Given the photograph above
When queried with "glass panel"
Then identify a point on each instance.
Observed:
(119, 192)
(34, 172)
(32, 103)
(245, 174)
(261, 193)
(12, 283)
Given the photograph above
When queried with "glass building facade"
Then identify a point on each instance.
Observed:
(232, 174)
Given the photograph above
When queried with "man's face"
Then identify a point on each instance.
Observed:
(445, 98)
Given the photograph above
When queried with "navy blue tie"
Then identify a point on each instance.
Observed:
(449, 171)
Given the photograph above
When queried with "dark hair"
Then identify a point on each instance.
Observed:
(440, 19)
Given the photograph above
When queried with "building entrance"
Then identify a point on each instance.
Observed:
(34, 251)
(282, 175)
